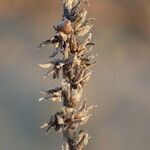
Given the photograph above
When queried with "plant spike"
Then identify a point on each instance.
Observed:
(70, 63)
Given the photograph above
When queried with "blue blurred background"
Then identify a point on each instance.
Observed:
(120, 84)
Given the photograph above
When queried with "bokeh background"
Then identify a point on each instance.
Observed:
(120, 84)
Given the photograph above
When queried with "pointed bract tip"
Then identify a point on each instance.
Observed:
(41, 99)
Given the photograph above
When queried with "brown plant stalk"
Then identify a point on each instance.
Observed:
(70, 62)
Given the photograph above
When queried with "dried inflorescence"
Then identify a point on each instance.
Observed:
(70, 63)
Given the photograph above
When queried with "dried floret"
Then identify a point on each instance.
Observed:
(65, 26)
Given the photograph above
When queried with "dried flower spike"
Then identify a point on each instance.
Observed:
(70, 63)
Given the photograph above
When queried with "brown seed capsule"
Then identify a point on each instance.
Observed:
(65, 26)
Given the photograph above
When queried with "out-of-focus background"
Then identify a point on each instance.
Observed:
(120, 84)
